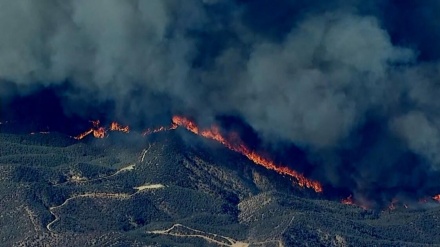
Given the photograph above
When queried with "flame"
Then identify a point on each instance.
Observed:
(101, 132)
(428, 199)
(84, 134)
(114, 126)
(214, 134)
(348, 200)
(233, 142)
(351, 201)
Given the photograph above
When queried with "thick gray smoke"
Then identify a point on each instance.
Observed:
(315, 76)
(316, 85)
(107, 49)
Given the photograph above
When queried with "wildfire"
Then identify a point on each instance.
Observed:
(351, 201)
(101, 132)
(233, 142)
(214, 134)
(114, 126)
(84, 134)
(348, 200)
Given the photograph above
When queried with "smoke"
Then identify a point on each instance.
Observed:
(325, 75)
(107, 50)
(421, 135)
(347, 83)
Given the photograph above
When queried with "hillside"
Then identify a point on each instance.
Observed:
(176, 189)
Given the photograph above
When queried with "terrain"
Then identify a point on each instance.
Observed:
(176, 189)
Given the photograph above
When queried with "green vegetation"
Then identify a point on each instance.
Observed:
(57, 191)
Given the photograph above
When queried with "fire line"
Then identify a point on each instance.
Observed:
(214, 134)
(232, 142)
(101, 132)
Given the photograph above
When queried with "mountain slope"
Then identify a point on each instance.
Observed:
(175, 189)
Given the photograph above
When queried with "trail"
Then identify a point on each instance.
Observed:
(32, 218)
(275, 238)
(86, 180)
(210, 237)
(121, 170)
(144, 152)
(149, 186)
(121, 196)
(179, 230)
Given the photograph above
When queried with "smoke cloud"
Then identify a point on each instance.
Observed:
(347, 83)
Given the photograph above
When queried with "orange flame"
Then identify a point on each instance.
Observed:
(214, 134)
(351, 201)
(84, 134)
(114, 126)
(230, 142)
(348, 200)
(101, 132)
